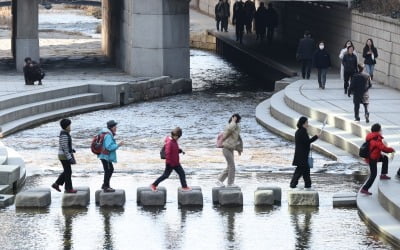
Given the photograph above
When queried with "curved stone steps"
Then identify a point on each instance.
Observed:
(388, 195)
(33, 120)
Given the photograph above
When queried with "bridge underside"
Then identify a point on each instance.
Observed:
(144, 38)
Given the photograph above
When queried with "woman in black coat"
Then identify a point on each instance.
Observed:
(370, 53)
(302, 150)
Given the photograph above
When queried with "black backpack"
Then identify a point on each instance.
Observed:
(364, 150)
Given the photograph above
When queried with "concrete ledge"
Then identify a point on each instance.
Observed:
(139, 191)
(263, 197)
(116, 199)
(230, 197)
(277, 192)
(345, 200)
(216, 190)
(303, 198)
(79, 199)
(190, 198)
(6, 200)
(151, 198)
(9, 174)
(38, 198)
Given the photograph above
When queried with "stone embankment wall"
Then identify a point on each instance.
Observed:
(203, 40)
(5, 17)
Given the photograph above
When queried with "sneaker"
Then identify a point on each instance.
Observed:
(71, 191)
(108, 190)
(153, 187)
(384, 177)
(364, 191)
(56, 187)
(219, 184)
(187, 189)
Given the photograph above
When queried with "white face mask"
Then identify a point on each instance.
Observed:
(321, 46)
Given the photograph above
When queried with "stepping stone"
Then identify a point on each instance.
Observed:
(79, 199)
(151, 198)
(230, 197)
(9, 174)
(277, 191)
(345, 200)
(190, 198)
(216, 190)
(139, 191)
(264, 197)
(303, 198)
(37, 197)
(112, 199)
(6, 200)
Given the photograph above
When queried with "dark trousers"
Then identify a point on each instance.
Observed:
(322, 77)
(374, 169)
(224, 24)
(346, 76)
(108, 171)
(65, 177)
(357, 109)
(270, 34)
(306, 68)
(301, 171)
(239, 32)
(218, 20)
(167, 172)
(249, 27)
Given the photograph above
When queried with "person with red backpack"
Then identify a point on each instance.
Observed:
(376, 147)
(108, 154)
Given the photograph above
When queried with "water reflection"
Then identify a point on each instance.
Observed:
(108, 214)
(229, 216)
(302, 224)
(70, 214)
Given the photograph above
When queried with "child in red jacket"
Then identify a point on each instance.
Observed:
(172, 151)
(376, 147)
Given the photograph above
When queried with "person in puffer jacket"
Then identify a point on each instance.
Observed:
(172, 152)
(376, 147)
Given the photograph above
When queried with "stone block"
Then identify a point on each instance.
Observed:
(3, 155)
(111, 199)
(303, 198)
(190, 198)
(6, 200)
(139, 191)
(277, 191)
(230, 197)
(151, 198)
(264, 197)
(40, 197)
(345, 200)
(79, 199)
(9, 174)
(216, 190)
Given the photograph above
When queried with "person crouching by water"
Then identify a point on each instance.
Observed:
(302, 150)
(172, 151)
(231, 142)
(376, 147)
(66, 156)
(32, 72)
(109, 155)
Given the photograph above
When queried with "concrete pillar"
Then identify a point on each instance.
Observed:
(26, 33)
(160, 39)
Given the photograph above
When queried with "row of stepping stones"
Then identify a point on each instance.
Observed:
(223, 196)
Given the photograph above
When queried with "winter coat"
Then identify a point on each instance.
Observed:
(171, 152)
(239, 15)
(349, 63)
(305, 50)
(218, 10)
(376, 146)
(360, 84)
(232, 139)
(341, 55)
(321, 59)
(302, 149)
(65, 151)
(368, 57)
(250, 10)
(261, 20)
(110, 145)
(272, 18)
(226, 11)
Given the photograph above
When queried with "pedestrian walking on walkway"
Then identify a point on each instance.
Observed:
(261, 21)
(239, 20)
(109, 154)
(66, 157)
(322, 61)
(218, 14)
(231, 142)
(301, 152)
(305, 52)
(225, 14)
(349, 63)
(272, 22)
(376, 147)
(250, 10)
(172, 152)
(370, 53)
(343, 51)
(360, 84)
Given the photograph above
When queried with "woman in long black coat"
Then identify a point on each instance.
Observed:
(302, 150)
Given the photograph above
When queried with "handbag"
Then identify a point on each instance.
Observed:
(162, 153)
(310, 160)
(220, 140)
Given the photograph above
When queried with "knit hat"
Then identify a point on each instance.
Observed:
(111, 124)
(64, 123)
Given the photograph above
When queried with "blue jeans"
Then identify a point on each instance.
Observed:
(370, 69)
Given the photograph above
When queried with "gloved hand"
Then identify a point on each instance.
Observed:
(181, 151)
(72, 161)
(73, 151)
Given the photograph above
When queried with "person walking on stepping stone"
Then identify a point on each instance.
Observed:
(172, 152)
(109, 154)
(231, 142)
(301, 152)
(66, 156)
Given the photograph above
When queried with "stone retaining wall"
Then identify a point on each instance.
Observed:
(202, 40)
